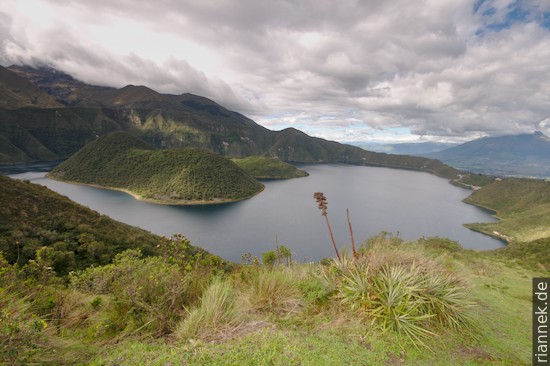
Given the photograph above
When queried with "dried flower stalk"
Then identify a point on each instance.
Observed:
(322, 205)
(352, 237)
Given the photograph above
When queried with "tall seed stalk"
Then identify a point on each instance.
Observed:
(322, 205)
(352, 237)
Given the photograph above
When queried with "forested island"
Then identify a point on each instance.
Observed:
(176, 176)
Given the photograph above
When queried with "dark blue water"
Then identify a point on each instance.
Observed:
(406, 203)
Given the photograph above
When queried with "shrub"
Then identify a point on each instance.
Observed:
(148, 294)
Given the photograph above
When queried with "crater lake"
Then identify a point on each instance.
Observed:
(407, 204)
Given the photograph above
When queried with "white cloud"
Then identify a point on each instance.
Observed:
(439, 68)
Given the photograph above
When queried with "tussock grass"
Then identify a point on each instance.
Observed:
(274, 292)
(215, 316)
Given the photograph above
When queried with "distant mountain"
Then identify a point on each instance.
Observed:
(516, 155)
(414, 149)
(175, 176)
(86, 112)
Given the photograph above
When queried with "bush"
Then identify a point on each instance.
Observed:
(148, 294)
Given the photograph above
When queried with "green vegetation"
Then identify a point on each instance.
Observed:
(176, 176)
(427, 302)
(261, 167)
(472, 181)
(34, 220)
(30, 133)
(523, 207)
(162, 301)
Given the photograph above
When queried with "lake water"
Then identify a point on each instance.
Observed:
(406, 203)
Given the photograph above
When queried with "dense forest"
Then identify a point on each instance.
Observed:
(120, 160)
(261, 167)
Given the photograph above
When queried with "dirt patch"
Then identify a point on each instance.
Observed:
(474, 353)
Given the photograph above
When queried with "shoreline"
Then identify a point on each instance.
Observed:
(136, 196)
(496, 235)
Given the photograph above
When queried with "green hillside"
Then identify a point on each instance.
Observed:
(269, 168)
(523, 207)
(33, 217)
(176, 176)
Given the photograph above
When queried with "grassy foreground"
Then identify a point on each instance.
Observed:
(428, 302)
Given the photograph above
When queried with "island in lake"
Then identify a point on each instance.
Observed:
(176, 176)
(262, 167)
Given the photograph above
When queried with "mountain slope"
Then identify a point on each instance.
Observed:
(516, 155)
(17, 92)
(170, 121)
(33, 217)
(176, 176)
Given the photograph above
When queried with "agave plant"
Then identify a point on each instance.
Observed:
(405, 299)
(395, 306)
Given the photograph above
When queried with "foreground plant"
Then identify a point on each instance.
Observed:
(323, 205)
(408, 299)
(216, 314)
(274, 292)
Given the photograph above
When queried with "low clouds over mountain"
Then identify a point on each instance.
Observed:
(347, 70)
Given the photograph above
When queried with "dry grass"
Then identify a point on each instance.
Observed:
(216, 315)
(274, 292)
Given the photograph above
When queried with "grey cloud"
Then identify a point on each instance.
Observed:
(423, 65)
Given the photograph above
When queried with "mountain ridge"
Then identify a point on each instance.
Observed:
(166, 121)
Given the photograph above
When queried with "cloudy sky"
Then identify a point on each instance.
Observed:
(364, 70)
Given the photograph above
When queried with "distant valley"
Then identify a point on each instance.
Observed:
(403, 148)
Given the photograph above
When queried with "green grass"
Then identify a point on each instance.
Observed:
(523, 207)
(293, 314)
(330, 334)
(216, 315)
